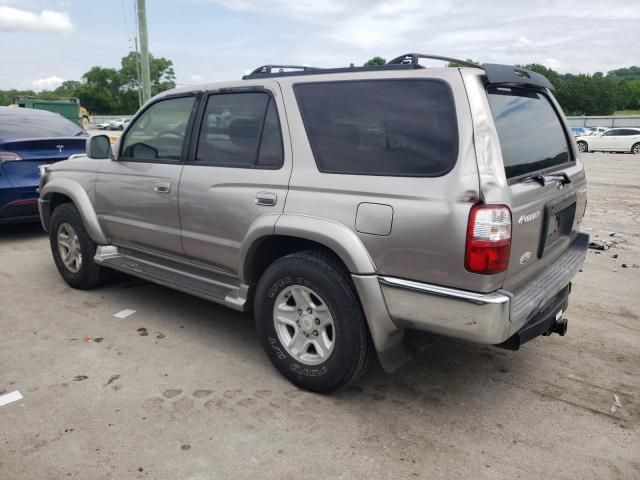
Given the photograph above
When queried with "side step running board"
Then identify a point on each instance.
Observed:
(188, 278)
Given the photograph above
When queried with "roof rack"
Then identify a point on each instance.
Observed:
(269, 69)
(259, 73)
(414, 59)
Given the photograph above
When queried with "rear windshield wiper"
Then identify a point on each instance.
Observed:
(542, 179)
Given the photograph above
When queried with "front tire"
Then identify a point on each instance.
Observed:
(73, 250)
(583, 147)
(310, 321)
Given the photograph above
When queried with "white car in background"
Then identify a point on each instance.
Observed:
(613, 140)
(119, 123)
(598, 130)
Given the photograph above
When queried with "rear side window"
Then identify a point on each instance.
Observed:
(240, 130)
(380, 127)
(531, 135)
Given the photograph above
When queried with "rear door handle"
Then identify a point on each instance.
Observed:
(162, 187)
(267, 199)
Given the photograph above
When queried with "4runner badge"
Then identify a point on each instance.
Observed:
(530, 217)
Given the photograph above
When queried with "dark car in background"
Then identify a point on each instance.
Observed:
(30, 138)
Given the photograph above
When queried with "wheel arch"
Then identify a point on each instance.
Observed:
(62, 190)
(277, 236)
(273, 236)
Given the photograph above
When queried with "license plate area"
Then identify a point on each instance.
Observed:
(558, 221)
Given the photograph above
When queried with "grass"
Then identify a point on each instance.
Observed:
(627, 112)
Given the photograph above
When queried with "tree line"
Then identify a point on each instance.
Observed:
(115, 91)
(108, 91)
(596, 94)
(584, 94)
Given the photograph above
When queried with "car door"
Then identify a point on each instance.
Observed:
(137, 193)
(628, 139)
(610, 140)
(238, 171)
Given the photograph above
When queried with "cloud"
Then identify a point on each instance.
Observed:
(197, 78)
(16, 20)
(574, 35)
(49, 83)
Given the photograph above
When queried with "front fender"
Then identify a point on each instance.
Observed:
(80, 199)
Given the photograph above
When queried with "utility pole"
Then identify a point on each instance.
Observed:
(144, 50)
(138, 74)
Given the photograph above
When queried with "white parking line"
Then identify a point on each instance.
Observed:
(10, 397)
(124, 313)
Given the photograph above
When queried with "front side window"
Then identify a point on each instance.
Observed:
(380, 127)
(159, 133)
(531, 134)
(240, 130)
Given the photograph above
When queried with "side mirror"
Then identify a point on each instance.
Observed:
(99, 147)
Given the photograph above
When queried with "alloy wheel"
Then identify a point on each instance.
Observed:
(304, 325)
(69, 247)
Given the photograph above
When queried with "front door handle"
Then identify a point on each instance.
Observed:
(162, 187)
(267, 199)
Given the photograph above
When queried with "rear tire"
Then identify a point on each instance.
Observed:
(303, 299)
(73, 250)
(583, 147)
(636, 149)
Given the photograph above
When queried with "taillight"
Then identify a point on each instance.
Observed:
(488, 239)
(9, 157)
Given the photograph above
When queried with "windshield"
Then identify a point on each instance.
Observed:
(17, 123)
(531, 135)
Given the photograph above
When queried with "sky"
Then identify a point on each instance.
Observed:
(44, 42)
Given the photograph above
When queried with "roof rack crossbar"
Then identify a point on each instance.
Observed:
(280, 68)
(414, 59)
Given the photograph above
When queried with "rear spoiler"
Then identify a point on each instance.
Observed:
(496, 74)
(509, 75)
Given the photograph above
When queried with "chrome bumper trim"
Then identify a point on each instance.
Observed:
(463, 295)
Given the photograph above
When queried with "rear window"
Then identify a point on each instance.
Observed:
(530, 132)
(17, 123)
(380, 127)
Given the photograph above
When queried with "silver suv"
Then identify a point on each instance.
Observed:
(346, 207)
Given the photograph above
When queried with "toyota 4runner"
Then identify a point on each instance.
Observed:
(346, 207)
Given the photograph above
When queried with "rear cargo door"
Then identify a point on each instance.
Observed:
(548, 186)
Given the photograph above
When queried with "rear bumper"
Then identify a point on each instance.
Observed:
(476, 317)
(489, 318)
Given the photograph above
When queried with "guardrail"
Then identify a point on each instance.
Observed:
(95, 119)
(609, 121)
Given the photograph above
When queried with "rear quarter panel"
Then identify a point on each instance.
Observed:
(429, 219)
